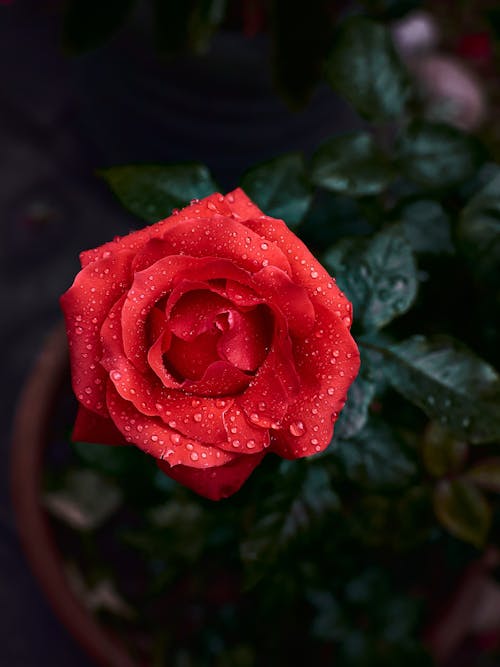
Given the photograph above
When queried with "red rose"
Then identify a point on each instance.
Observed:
(207, 340)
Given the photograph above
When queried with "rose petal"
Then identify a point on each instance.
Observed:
(86, 305)
(154, 283)
(242, 295)
(151, 398)
(278, 290)
(158, 439)
(221, 237)
(192, 309)
(90, 427)
(190, 359)
(203, 209)
(220, 379)
(327, 363)
(217, 483)
(243, 436)
(306, 270)
(246, 341)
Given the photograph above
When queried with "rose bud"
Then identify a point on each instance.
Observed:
(207, 340)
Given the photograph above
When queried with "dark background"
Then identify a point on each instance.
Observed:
(62, 118)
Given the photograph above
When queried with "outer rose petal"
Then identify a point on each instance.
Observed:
(327, 363)
(218, 236)
(306, 270)
(206, 208)
(90, 427)
(159, 440)
(215, 483)
(243, 436)
(86, 305)
(292, 299)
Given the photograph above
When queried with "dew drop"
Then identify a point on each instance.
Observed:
(197, 417)
(194, 456)
(297, 428)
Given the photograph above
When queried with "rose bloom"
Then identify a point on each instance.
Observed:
(207, 340)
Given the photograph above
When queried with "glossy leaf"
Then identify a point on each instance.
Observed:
(479, 230)
(449, 382)
(463, 510)
(378, 275)
(280, 188)
(294, 508)
(152, 191)
(351, 165)
(375, 457)
(437, 156)
(355, 413)
(365, 69)
(427, 227)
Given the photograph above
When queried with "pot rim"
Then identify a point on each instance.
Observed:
(29, 441)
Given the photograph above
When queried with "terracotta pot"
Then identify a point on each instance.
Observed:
(30, 439)
(472, 611)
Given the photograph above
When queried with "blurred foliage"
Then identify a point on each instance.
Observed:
(331, 560)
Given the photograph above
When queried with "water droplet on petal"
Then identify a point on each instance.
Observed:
(297, 428)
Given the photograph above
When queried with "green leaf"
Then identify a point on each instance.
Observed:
(280, 188)
(354, 414)
(351, 165)
(448, 382)
(479, 230)
(486, 474)
(86, 500)
(89, 24)
(441, 452)
(463, 510)
(378, 275)
(375, 457)
(437, 156)
(152, 191)
(427, 227)
(303, 496)
(365, 69)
